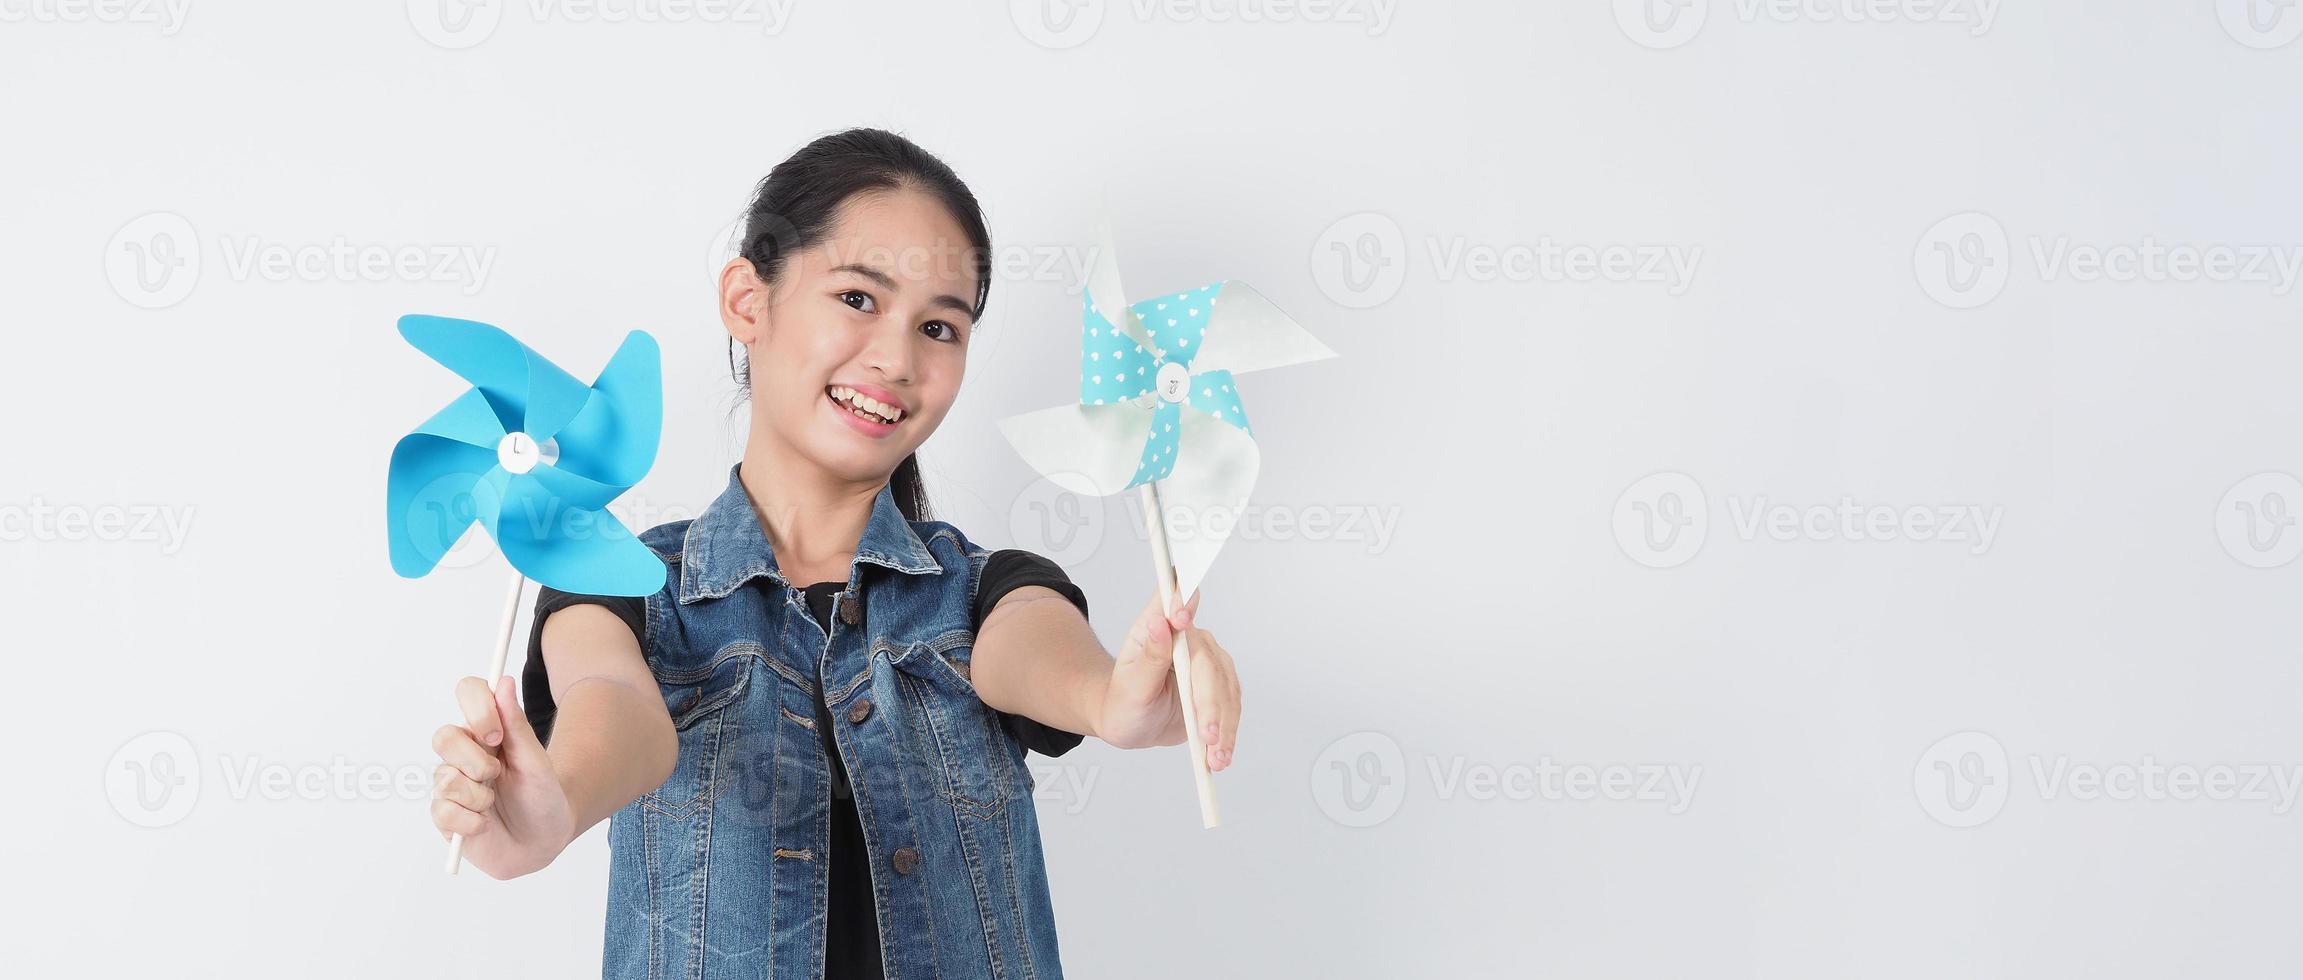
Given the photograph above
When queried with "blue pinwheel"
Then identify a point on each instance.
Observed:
(534, 456)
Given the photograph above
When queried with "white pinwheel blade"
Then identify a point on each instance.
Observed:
(1215, 469)
(1245, 332)
(1105, 293)
(1090, 449)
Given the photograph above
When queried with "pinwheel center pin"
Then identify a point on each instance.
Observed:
(519, 452)
(1174, 381)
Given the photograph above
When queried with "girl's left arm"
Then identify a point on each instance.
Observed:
(1036, 656)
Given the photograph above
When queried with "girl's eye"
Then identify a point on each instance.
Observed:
(852, 296)
(949, 334)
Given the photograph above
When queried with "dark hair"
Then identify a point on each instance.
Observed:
(793, 209)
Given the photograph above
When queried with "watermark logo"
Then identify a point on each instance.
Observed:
(1661, 24)
(725, 245)
(1360, 780)
(2149, 780)
(1064, 788)
(455, 24)
(454, 501)
(248, 258)
(1057, 24)
(1665, 24)
(1965, 780)
(1062, 264)
(1671, 266)
(1849, 519)
(1962, 261)
(156, 779)
(153, 261)
(1962, 780)
(1060, 24)
(1661, 520)
(38, 520)
(153, 780)
(1052, 521)
(1369, 525)
(447, 502)
(2255, 520)
(1068, 526)
(2260, 24)
(1360, 260)
(168, 14)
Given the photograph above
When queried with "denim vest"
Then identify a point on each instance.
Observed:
(721, 871)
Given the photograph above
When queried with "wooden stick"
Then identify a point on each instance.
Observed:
(495, 674)
(1209, 817)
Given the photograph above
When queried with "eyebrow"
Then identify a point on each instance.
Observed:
(945, 300)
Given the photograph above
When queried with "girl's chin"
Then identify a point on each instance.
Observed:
(851, 459)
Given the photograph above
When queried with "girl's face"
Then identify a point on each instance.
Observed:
(858, 349)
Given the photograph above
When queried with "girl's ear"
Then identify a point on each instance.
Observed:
(743, 301)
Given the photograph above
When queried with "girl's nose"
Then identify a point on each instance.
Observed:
(890, 351)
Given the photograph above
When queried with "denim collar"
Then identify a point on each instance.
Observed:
(725, 547)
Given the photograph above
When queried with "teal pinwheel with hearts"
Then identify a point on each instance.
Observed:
(1151, 353)
(1159, 402)
(1159, 411)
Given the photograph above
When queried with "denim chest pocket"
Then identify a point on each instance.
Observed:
(975, 761)
(697, 698)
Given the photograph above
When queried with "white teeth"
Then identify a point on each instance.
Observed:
(887, 413)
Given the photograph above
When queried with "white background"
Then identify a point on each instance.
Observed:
(1393, 810)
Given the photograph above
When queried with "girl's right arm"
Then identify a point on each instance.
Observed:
(519, 805)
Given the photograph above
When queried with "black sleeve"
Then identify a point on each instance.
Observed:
(534, 683)
(1005, 572)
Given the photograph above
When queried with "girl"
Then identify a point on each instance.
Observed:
(810, 744)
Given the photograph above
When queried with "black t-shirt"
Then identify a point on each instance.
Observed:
(851, 927)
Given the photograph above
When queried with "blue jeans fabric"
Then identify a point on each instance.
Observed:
(720, 872)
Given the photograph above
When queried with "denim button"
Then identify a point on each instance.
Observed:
(859, 711)
(907, 860)
(850, 612)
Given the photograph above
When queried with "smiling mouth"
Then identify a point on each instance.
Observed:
(864, 407)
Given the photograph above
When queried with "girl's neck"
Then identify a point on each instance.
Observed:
(812, 520)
